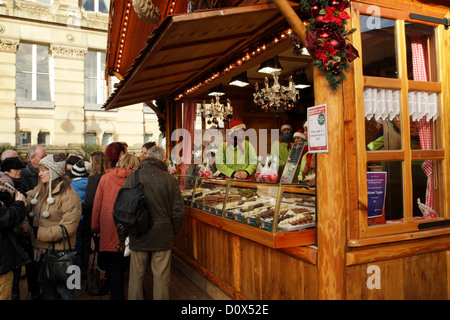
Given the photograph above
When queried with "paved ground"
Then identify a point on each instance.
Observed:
(181, 286)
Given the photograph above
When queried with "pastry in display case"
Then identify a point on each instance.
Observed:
(248, 200)
(267, 206)
(209, 195)
(297, 211)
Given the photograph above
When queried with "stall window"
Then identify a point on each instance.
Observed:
(401, 107)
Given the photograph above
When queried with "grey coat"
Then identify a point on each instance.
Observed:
(165, 203)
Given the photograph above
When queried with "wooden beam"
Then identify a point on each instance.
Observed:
(331, 226)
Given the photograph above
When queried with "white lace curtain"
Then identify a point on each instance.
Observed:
(382, 104)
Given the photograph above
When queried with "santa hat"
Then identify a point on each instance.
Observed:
(236, 125)
(300, 134)
(56, 169)
(79, 169)
(285, 126)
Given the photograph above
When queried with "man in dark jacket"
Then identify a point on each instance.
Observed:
(167, 210)
(12, 254)
(31, 171)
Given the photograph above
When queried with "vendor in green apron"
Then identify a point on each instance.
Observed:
(282, 148)
(236, 157)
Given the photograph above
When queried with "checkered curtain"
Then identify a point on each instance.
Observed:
(420, 73)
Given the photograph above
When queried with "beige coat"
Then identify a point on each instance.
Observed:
(66, 210)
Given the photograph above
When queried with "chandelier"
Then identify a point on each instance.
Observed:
(216, 112)
(276, 95)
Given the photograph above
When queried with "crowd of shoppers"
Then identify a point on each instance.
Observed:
(49, 190)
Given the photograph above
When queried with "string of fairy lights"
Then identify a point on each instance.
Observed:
(124, 26)
(250, 54)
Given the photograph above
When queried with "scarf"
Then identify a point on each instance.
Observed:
(287, 138)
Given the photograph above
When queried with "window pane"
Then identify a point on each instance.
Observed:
(91, 138)
(23, 86)
(378, 33)
(419, 178)
(90, 91)
(88, 5)
(421, 53)
(42, 59)
(43, 138)
(390, 176)
(43, 87)
(107, 139)
(103, 6)
(90, 65)
(102, 66)
(383, 134)
(24, 137)
(24, 58)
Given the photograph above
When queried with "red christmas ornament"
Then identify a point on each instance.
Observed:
(319, 21)
(335, 43)
(315, 10)
(335, 3)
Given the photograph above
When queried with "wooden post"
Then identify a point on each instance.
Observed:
(331, 180)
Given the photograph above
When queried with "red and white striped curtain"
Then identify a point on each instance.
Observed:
(420, 73)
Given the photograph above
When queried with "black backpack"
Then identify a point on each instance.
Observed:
(131, 213)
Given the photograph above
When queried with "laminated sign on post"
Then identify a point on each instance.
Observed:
(317, 129)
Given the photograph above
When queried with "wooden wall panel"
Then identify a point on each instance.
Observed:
(417, 277)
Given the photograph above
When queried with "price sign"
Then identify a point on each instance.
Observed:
(317, 129)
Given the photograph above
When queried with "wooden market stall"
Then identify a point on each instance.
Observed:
(388, 134)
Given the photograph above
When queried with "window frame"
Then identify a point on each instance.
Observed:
(101, 87)
(34, 102)
(359, 230)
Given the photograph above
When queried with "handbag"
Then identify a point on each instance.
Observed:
(55, 264)
(96, 284)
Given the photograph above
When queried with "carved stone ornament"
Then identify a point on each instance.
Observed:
(9, 45)
(147, 11)
(67, 52)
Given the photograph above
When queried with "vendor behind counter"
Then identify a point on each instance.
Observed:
(236, 157)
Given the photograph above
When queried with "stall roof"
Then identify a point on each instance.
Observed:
(187, 47)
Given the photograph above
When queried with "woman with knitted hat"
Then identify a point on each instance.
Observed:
(54, 203)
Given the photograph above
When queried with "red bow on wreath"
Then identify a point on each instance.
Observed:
(327, 37)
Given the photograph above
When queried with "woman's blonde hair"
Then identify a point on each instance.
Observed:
(128, 161)
(99, 163)
(44, 187)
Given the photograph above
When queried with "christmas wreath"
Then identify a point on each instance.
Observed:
(326, 37)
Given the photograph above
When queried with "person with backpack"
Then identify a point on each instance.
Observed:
(102, 224)
(166, 209)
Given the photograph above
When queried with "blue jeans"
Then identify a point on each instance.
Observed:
(51, 291)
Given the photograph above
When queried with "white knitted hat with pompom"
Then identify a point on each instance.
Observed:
(56, 169)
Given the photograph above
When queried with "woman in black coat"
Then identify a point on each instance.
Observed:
(98, 166)
(12, 253)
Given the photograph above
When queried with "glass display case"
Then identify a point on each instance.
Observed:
(266, 206)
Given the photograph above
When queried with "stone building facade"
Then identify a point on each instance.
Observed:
(52, 79)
